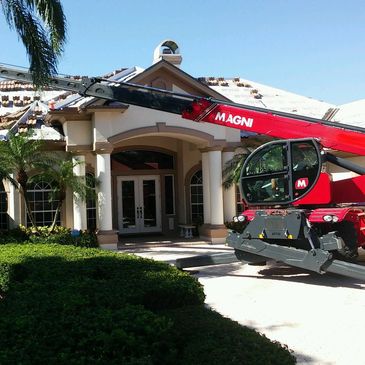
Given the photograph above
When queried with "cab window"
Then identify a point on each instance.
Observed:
(270, 159)
(265, 178)
(305, 166)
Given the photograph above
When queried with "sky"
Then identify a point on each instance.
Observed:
(314, 48)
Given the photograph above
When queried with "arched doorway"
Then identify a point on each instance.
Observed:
(144, 194)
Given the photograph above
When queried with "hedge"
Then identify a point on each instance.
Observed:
(71, 305)
(60, 235)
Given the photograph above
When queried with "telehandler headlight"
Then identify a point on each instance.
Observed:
(330, 218)
(327, 218)
(240, 218)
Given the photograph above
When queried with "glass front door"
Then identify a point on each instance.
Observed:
(139, 204)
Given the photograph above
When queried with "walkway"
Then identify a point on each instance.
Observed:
(319, 317)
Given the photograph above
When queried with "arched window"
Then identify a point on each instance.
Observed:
(4, 221)
(196, 198)
(39, 195)
(91, 204)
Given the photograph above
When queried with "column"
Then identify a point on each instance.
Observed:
(107, 237)
(215, 187)
(14, 208)
(79, 205)
(103, 174)
(206, 189)
(229, 195)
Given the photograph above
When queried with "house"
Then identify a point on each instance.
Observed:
(156, 170)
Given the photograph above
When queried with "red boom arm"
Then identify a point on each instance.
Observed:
(331, 135)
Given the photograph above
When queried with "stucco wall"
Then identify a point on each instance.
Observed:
(108, 124)
(78, 133)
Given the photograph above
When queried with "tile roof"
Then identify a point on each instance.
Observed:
(251, 93)
(350, 113)
(14, 96)
(30, 117)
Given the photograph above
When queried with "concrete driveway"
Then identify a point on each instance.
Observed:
(321, 318)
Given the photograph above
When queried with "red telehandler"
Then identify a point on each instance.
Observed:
(294, 212)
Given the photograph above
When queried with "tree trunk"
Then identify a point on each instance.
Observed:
(58, 210)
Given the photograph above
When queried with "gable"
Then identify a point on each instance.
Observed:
(166, 76)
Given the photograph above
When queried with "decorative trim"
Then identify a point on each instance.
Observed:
(163, 128)
(103, 147)
(79, 148)
(54, 146)
(211, 149)
(69, 114)
(232, 146)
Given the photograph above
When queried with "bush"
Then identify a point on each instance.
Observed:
(16, 235)
(205, 337)
(71, 305)
(60, 235)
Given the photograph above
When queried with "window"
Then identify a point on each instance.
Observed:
(196, 198)
(39, 195)
(91, 204)
(305, 167)
(270, 159)
(239, 203)
(281, 172)
(4, 221)
(265, 175)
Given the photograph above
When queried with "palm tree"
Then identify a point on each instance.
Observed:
(61, 174)
(41, 26)
(232, 170)
(19, 155)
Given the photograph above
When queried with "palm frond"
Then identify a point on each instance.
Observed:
(52, 15)
(232, 170)
(41, 26)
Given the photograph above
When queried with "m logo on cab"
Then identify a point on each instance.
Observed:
(301, 183)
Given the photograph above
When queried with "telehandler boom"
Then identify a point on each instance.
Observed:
(294, 212)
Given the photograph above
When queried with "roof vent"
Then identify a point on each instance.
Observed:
(168, 50)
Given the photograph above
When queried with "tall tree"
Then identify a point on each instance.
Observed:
(62, 176)
(19, 155)
(41, 26)
(232, 170)
(24, 161)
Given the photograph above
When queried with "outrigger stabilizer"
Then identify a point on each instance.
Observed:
(318, 260)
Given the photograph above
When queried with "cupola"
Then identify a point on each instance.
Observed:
(168, 50)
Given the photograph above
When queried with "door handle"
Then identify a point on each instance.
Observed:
(139, 212)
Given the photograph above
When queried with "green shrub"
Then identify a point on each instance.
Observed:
(84, 239)
(60, 235)
(71, 305)
(16, 235)
(205, 337)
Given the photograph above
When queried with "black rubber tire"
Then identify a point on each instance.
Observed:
(347, 232)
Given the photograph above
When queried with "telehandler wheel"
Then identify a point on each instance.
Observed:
(250, 258)
(349, 252)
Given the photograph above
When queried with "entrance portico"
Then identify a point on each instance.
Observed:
(155, 170)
